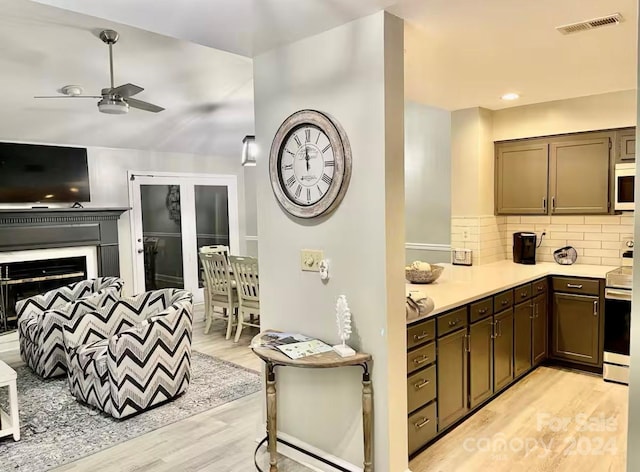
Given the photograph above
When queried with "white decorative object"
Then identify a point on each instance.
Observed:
(324, 269)
(343, 320)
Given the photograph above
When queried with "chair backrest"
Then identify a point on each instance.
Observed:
(245, 270)
(216, 273)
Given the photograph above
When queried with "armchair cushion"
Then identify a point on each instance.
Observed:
(42, 318)
(133, 355)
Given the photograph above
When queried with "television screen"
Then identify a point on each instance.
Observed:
(42, 174)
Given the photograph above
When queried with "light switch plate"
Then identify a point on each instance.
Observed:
(310, 258)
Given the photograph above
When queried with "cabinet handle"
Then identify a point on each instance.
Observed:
(421, 424)
(467, 338)
(500, 328)
(553, 203)
(523, 294)
(504, 302)
(421, 360)
(544, 203)
(454, 322)
(494, 330)
(418, 337)
(578, 286)
(533, 311)
(419, 385)
(536, 310)
(482, 311)
(595, 308)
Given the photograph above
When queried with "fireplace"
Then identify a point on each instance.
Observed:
(24, 279)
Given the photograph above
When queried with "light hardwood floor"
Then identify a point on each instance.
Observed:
(536, 426)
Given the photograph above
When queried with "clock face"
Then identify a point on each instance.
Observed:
(306, 165)
(310, 164)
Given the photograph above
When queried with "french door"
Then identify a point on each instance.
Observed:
(172, 216)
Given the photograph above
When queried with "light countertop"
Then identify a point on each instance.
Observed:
(459, 285)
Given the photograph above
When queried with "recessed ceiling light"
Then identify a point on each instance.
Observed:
(510, 96)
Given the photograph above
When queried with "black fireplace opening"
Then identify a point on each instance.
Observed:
(20, 280)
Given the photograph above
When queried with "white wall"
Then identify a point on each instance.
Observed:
(109, 186)
(355, 73)
(595, 112)
(427, 180)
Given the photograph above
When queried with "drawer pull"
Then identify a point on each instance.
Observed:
(504, 302)
(578, 286)
(422, 423)
(540, 288)
(524, 294)
(421, 360)
(423, 383)
(482, 311)
(419, 337)
(454, 322)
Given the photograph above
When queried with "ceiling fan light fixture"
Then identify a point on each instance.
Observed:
(113, 107)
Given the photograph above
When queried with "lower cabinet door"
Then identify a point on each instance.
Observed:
(480, 361)
(422, 427)
(575, 333)
(522, 316)
(540, 329)
(503, 350)
(452, 378)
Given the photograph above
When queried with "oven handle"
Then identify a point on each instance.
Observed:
(613, 294)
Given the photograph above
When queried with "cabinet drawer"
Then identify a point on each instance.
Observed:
(503, 300)
(421, 388)
(422, 427)
(480, 310)
(522, 293)
(421, 357)
(576, 285)
(421, 333)
(539, 286)
(452, 321)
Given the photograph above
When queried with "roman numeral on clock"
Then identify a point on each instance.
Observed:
(327, 147)
(288, 167)
(291, 180)
(298, 191)
(329, 163)
(326, 179)
(297, 140)
(289, 152)
(307, 135)
(308, 194)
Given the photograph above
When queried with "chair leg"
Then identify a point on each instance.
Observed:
(229, 323)
(240, 324)
(209, 319)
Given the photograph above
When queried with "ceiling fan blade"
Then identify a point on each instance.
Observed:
(126, 90)
(143, 105)
(68, 96)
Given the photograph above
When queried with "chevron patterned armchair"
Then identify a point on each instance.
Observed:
(41, 320)
(133, 355)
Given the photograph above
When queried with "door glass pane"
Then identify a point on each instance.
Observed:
(162, 236)
(212, 218)
(626, 189)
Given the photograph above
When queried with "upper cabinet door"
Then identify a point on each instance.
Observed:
(627, 145)
(521, 178)
(579, 176)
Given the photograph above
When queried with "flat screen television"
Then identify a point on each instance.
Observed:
(43, 174)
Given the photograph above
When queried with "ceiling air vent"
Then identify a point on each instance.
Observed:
(591, 24)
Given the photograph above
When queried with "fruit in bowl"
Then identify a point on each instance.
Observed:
(419, 272)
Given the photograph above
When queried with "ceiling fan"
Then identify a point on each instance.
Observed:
(114, 100)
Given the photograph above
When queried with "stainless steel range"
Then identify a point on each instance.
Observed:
(617, 323)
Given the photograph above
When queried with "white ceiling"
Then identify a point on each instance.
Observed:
(208, 94)
(462, 53)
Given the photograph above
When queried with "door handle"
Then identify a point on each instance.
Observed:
(595, 308)
(140, 251)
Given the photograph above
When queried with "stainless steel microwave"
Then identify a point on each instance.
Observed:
(624, 186)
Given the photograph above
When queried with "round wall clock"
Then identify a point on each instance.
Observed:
(310, 164)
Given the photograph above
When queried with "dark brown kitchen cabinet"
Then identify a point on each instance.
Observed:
(503, 350)
(452, 378)
(522, 316)
(480, 361)
(575, 333)
(579, 175)
(540, 329)
(522, 170)
(626, 145)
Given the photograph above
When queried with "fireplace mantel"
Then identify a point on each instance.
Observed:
(44, 228)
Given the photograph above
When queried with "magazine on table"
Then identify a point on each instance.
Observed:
(294, 345)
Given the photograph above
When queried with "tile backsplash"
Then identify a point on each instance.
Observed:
(598, 240)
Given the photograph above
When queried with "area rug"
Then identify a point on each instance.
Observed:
(56, 429)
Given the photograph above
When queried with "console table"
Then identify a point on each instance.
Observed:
(9, 421)
(274, 358)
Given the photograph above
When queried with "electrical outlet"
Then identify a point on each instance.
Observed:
(310, 260)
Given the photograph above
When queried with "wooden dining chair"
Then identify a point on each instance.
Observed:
(220, 291)
(216, 249)
(245, 271)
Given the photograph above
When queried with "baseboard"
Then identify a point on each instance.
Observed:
(9, 342)
(307, 458)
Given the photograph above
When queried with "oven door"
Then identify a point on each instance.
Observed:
(617, 326)
(624, 186)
